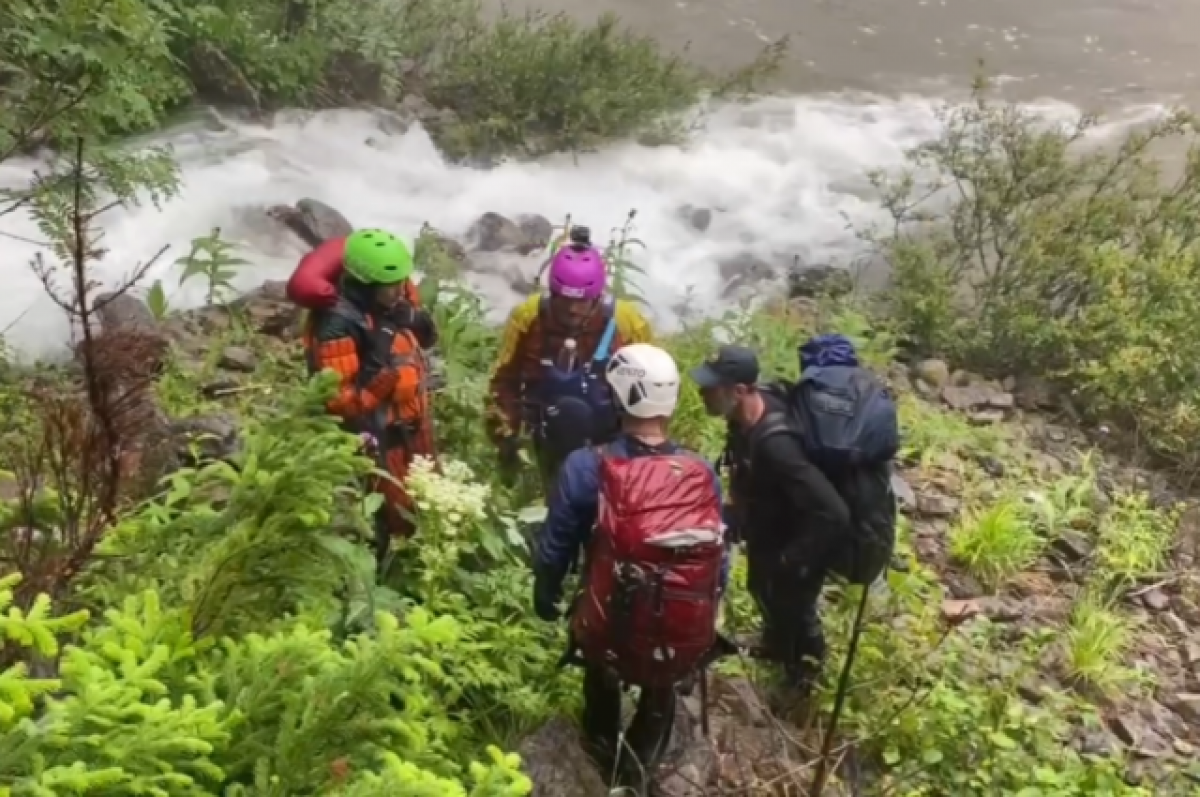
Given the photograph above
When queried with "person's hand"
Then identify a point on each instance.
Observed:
(545, 599)
(424, 328)
(508, 450)
(403, 315)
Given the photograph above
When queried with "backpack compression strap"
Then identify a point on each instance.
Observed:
(771, 425)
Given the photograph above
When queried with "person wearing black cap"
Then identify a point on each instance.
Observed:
(789, 514)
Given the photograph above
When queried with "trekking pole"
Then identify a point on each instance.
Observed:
(839, 700)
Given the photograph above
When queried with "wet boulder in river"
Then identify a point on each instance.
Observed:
(312, 220)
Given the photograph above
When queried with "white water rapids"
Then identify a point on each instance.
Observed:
(785, 176)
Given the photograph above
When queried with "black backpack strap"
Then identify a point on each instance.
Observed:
(771, 425)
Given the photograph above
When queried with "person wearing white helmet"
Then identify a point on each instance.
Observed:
(647, 515)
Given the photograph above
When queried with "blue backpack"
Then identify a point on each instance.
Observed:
(848, 418)
(847, 423)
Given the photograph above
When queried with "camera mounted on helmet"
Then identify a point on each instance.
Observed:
(581, 237)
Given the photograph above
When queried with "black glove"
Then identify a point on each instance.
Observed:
(403, 315)
(545, 598)
(425, 329)
(508, 449)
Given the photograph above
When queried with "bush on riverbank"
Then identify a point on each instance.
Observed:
(523, 84)
(1078, 264)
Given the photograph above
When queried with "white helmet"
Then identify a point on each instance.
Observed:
(644, 380)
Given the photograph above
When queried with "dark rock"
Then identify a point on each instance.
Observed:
(1096, 742)
(1187, 706)
(905, 497)
(699, 219)
(992, 466)
(352, 77)
(1132, 729)
(744, 269)
(934, 373)
(961, 378)
(268, 310)
(898, 379)
(124, 312)
(130, 341)
(955, 611)
(431, 117)
(986, 417)
(537, 229)
(963, 586)
(219, 80)
(555, 760)
(1155, 600)
(933, 505)
(313, 221)
(817, 281)
(206, 438)
(1033, 393)
(1000, 609)
(977, 396)
(323, 221)
(997, 609)
(1175, 625)
(238, 358)
(492, 232)
(1073, 546)
(925, 390)
(690, 763)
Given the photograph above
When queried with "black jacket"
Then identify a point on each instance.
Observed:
(784, 507)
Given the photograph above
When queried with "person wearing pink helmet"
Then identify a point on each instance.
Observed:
(548, 382)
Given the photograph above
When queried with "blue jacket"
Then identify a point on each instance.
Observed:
(573, 506)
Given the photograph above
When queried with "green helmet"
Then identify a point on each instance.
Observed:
(376, 257)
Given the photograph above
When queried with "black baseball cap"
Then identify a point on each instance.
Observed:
(733, 365)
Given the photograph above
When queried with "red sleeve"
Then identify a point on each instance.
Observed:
(313, 285)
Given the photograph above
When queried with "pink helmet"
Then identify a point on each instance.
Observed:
(578, 272)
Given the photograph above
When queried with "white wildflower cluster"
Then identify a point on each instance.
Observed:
(454, 494)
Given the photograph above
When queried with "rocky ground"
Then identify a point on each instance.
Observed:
(1158, 724)
(968, 442)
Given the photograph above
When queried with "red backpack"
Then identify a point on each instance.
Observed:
(648, 606)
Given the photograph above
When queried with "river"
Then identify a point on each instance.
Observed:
(863, 82)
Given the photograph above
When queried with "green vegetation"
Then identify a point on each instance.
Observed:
(1043, 256)
(226, 636)
(523, 84)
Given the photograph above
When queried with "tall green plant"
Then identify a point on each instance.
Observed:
(214, 260)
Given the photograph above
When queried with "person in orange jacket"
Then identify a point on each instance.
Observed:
(549, 376)
(373, 335)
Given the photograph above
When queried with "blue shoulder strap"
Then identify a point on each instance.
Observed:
(610, 331)
(609, 309)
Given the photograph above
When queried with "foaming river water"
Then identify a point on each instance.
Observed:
(785, 176)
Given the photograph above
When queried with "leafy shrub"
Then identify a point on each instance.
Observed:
(997, 543)
(1043, 254)
(239, 648)
(1135, 541)
(523, 84)
(1096, 644)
